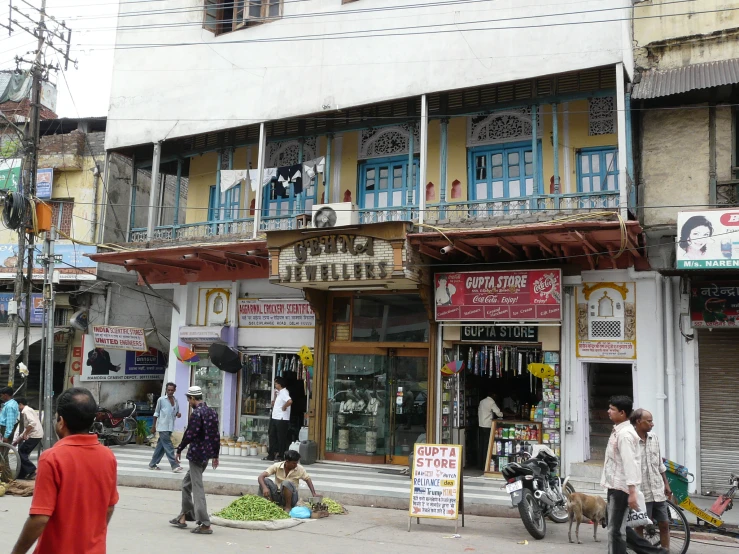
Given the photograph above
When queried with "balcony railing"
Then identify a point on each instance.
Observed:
(528, 209)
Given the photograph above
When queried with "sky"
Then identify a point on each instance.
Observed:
(83, 91)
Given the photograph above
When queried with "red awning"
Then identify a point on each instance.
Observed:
(194, 263)
(590, 244)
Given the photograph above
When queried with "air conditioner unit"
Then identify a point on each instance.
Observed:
(340, 214)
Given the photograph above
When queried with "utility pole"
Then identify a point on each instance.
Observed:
(48, 364)
(39, 70)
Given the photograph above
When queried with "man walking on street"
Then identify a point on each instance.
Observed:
(75, 492)
(167, 410)
(202, 437)
(654, 484)
(621, 477)
(29, 436)
(9, 414)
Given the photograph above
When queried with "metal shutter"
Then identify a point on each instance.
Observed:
(719, 406)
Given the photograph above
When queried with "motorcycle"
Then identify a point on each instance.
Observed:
(118, 425)
(536, 489)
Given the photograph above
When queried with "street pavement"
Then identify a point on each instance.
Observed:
(140, 525)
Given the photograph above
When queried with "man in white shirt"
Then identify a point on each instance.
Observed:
(30, 434)
(485, 411)
(279, 424)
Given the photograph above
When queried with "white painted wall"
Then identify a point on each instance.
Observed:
(211, 83)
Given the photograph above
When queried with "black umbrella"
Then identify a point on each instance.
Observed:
(224, 357)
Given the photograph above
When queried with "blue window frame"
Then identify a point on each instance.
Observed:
(597, 169)
(383, 183)
(280, 199)
(503, 171)
(224, 206)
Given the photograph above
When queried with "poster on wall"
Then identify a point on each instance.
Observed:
(436, 480)
(606, 321)
(533, 295)
(297, 314)
(714, 304)
(104, 364)
(708, 239)
(119, 338)
(44, 179)
(37, 308)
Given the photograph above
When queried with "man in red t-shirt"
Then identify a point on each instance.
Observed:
(75, 491)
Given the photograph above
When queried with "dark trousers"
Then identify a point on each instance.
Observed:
(482, 448)
(618, 534)
(278, 437)
(24, 451)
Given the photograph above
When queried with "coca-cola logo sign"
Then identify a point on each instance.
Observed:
(529, 295)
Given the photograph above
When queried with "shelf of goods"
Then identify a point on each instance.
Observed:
(507, 437)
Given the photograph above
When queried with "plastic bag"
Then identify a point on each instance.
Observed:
(274, 525)
(300, 512)
(638, 518)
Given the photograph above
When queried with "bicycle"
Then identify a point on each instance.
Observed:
(10, 462)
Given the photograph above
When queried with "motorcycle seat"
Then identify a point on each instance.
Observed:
(120, 414)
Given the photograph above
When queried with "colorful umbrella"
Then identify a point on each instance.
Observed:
(542, 371)
(452, 367)
(185, 355)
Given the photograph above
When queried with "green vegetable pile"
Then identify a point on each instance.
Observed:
(333, 506)
(252, 508)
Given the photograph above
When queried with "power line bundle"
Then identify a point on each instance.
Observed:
(16, 210)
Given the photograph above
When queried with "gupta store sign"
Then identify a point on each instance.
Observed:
(534, 295)
(335, 258)
(708, 239)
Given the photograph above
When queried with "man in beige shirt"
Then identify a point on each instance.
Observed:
(288, 475)
(30, 434)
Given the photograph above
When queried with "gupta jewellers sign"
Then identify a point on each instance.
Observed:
(335, 258)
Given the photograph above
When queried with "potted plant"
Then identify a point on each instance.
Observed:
(142, 431)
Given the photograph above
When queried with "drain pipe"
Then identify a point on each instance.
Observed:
(670, 369)
(660, 396)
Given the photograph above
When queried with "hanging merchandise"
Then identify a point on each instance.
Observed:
(306, 356)
(542, 371)
(185, 355)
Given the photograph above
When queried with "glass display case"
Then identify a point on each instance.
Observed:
(356, 421)
(256, 396)
(210, 379)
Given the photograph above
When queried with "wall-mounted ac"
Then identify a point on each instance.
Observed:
(339, 214)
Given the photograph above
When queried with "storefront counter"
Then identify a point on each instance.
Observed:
(507, 437)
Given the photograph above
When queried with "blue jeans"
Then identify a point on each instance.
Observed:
(164, 446)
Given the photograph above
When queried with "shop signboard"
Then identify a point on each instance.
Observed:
(37, 308)
(436, 481)
(72, 262)
(714, 304)
(10, 178)
(518, 295)
(296, 314)
(503, 333)
(119, 338)
(708, 239)
(606, 321)
(107, 364)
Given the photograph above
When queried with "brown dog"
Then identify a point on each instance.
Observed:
(581, 505)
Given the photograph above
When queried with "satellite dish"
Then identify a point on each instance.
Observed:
(324, 218)
(80, 320)
(224, 357)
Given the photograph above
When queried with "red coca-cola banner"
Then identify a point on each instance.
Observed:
(525, 295)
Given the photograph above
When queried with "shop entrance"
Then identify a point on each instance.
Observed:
(377, 404)
(604, 380)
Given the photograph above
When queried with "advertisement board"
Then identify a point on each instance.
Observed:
(102, 364)
(275, 313)
(519, 295)
(44, 180)
(37, 308)
(119, 338)
(436, 480)
(708, 239)
(71, 263)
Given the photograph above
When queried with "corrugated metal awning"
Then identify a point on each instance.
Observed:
(655, 83)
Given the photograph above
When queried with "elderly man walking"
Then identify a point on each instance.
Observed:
(621, 477)
(204, 444)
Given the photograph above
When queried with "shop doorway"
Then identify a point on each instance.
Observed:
(603, 380)
(378, 403)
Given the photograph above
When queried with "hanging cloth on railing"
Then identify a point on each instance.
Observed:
(313, 167)
(232, 177)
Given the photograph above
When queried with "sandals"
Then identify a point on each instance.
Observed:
(202, 531)
(268, 459)
(177, 523)
(154, 468)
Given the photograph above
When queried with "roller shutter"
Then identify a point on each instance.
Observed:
(719, 407)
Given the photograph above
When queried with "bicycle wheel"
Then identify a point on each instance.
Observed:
(10, 462)
(678, 529)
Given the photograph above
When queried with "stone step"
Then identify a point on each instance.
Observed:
(586, 470)
(597, 452)
(588, 486)
(598, 441)
(599, 428)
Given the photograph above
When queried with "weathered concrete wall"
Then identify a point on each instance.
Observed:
(674, 162)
